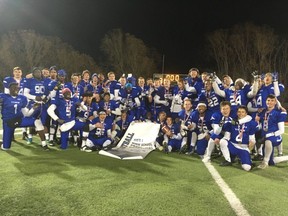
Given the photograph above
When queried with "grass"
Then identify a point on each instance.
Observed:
(35, 182)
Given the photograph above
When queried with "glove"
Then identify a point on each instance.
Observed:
(38, 98)
(58, 86)
(213, 76)
(275, 76)
(234, 122)
(36, 105)
(255, 75)
(165, 103)
(60, 121)
(45, 99)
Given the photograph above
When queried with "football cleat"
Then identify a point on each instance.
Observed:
(183, 149)
(24, 136)
(51, 143)
(85, 149)
(45, 148)
(192, 151)
(206, 159)
(165, 147)
(29, 141)
(226, 163)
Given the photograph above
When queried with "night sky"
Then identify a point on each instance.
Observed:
(176, 29)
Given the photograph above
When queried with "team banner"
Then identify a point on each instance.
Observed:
(137, 142)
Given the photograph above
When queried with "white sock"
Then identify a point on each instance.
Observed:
(210, 148)
(47, 136)
(193, 139)
(43, 143)
(225, 150)
(260, 150)
(268, 151)
(184, 141)
(280, 148)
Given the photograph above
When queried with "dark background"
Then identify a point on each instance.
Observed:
(176, 29)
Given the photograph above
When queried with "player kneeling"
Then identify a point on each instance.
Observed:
(238, 140)
(16, 114)
(100, 133)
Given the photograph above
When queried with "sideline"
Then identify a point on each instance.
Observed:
(228, 193)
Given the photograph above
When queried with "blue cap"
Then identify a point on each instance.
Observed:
(128, 85)
(61, 72)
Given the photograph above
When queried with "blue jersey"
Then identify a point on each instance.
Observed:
(237, 97)
(110, 105)
(101, 132)
(8, 80)
(128, 97)
(57, 86)
(197, 83)
(142, 95)
(123, 125)
(240, 133)
(11, 106)
(85, 114)
(66, 109)
(112, 85)
(95, 89)
(263, 93)
(174, 128)
(271, 119)
(36, 87)
(84, 84)
(186, 118)
(203, 123)
(77, 90)
(211, 99)
(181, 92)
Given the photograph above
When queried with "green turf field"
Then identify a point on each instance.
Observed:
(70, 182)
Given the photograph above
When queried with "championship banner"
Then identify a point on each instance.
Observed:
(137, 142)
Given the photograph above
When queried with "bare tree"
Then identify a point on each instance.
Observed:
(128, 54)
(26, 48)
(243, 48)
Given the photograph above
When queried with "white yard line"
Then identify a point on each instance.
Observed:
(228, 193)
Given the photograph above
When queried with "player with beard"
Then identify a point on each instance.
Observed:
(35, 91)
(210, 97)
(16, 114)
(201, 123)
(65, 108)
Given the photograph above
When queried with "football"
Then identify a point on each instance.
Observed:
(165, 129)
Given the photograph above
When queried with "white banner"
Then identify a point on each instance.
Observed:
(137, 142)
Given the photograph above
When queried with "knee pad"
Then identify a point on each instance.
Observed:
(38, 125)
(246, 167)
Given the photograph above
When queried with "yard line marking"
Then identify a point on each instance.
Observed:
(228, 193)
